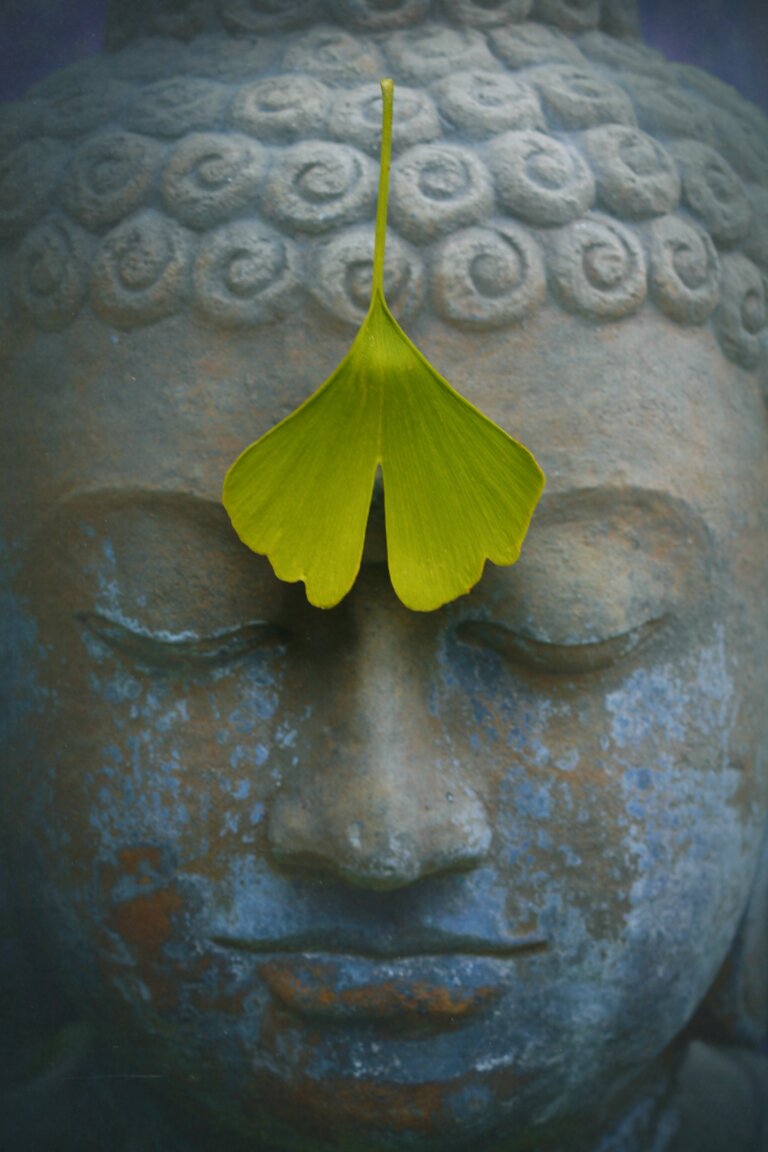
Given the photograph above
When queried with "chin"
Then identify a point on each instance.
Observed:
(383, 1072)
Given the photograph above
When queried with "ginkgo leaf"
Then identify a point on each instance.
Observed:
(458, 490)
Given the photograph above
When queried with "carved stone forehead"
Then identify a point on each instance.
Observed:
(538, 154)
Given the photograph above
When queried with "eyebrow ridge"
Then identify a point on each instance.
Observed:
(130, 497)
(554, 507)
(558, 507)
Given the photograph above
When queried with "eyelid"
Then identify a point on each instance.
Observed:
(557, 659)
(165, 651)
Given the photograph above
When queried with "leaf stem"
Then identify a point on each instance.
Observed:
(387, 97)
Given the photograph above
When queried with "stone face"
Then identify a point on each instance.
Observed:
(369, 878)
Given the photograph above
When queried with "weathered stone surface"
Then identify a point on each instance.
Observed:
(578, 98)
(685, 270)
(109, 177)
(281, 108)
(50, 279)
(489, 277)
(356, 117)
(635, 176)
(541, 179)
(714, 192)
(212, 176)
(371, 879)
(503, 112)
(28, 176)
(341, 275)
(437, 188)
(315, 186)
(484, 104)
(140, 272)
(245, 273)
(742, 317)
(599, 268)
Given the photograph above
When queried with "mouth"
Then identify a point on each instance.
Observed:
(433, 981)
(397, 945)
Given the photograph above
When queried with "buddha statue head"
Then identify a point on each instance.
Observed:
(369, 878)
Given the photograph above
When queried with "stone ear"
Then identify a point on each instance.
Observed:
(735, 1009)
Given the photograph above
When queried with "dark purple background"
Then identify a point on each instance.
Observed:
(727, 37)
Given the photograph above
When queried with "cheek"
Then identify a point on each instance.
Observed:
(628, 812)
(135, 781)
(627, 804)
(163, 758)
(691, 798)
(138, 804)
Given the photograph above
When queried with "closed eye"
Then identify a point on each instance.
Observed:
(165, 652)
(558, 659)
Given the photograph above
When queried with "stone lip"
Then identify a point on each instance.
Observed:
(432, 978)
(387, 947)
(438, 990)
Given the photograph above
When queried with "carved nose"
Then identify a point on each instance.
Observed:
(370, 801)
(379, 829)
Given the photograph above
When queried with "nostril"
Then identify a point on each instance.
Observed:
(395, 843)
(381, 871)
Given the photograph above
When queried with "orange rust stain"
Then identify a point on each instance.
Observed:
(130, 862)
(315, 996)
(348, 1104)
(230, 1005)
(418, 1107)
(146, 921)
(339, 1106)
(162, 979)
(132, 859)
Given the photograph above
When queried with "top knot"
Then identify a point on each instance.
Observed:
(184, 19)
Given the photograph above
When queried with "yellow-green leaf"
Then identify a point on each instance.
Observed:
(457, 489)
